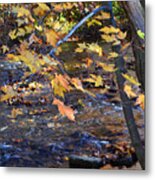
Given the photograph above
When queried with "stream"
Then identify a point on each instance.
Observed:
(39, 137)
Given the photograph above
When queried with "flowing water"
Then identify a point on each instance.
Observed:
(39, 137)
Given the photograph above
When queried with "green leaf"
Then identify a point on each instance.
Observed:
(141, 34)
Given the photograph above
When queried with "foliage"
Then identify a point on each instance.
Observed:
(44, 24)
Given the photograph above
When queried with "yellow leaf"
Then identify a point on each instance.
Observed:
(103, 16)
(23, 12)
(13, 34)
(121, 35)
(112, 55)
(5, 48)
(107, 67)
(60, 85)
(129, 91)
(81, 47)
(39, 28)
(109, 30)
(64, 110)
(12, 57)
(94, 47)
(94, 22)
(9, 93)
(99, 81)
(52, 37)
(131, 79)
(21, 32)
(43, 6)
(108, 38)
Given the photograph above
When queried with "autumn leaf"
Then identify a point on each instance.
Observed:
(60, 85)
(107, 67)
(88, 62)
(12, 34)
(125, 46)
(128, 90)
(109, 30)
(52, 37)
(81, 47)
(4, 48)
(23, 12)
(43, 6)
(97, 80)
(93, 47)
(9, 93)
(64, 110)
(94, 22)
(141, 101)
(103, 16)
(131, 79)
(15, 112)
(109, 38)
(112, 55)
(77, 83)
(121, 35)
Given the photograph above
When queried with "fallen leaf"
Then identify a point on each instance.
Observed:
(131, 79)
(64, 110)
(141, 101)
(130, 93)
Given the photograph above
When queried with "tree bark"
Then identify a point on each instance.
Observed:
(135, 14)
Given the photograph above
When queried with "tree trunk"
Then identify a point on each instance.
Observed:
(135, 14)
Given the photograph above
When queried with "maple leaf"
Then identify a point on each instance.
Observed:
(131, 79)
(16, 112)
(23, 12)
(109, 38)
(97, 80)
(43, 6)
(94, 22)
(12, 34)
(93, 47)
(121, 35)
(9, 93)
(64, 110)
(77, 83)
(52, 37)
(109, 30)
(107, 67)
(141, 101)
(103, 16)
(81, 47)
(128, 90)
(60, 85)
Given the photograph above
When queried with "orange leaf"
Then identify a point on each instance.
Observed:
(77, 83)
(64, 110)
(141, 101)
